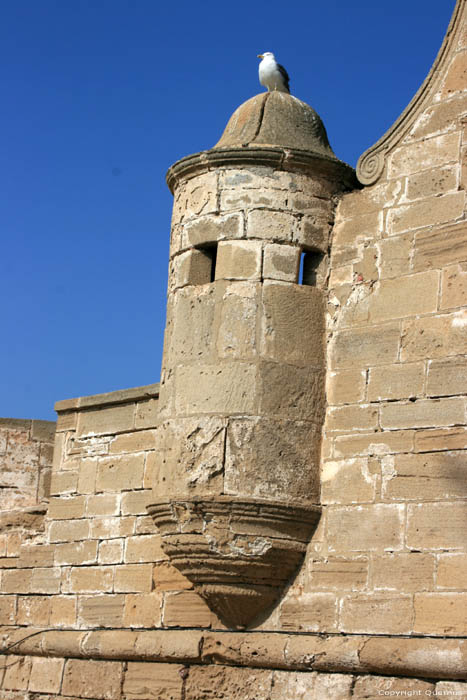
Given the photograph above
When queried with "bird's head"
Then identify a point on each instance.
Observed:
(268, 54)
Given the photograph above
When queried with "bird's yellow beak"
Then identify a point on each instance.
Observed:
(260, 55)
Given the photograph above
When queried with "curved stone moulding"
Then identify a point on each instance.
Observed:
(371, 163)
(238, 552)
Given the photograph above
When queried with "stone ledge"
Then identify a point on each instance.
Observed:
(111, 398)
(426, 657)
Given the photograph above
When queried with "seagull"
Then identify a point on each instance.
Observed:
(271, 74)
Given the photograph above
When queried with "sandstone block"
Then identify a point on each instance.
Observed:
(101, 610)
(252, 198)
(226, 388)
(92, 579)
(395, 255)
(396, 381)
(357, 229)
(273, 225)
(376, 614)
(135, 502)
(145, 681)
(347, 481)
(35, 555)
(236, 337)
(313, 231)
(424, 155)
(429, 212)
(76, 553)
(404, 296)
(63, 611)
(111, 551)
(135, 578)
(454, 80)
(447, 376)
(66, 508)
(210, 229)
(185, 609)
(281, 262)
(134, 442)
(108, 528)
(194, 327)
(441, 613)
(380, 443)
(434, 337)
(224, 681)
(144, 548)
(251, 464)
(63, 482)
(200, 195)
(120, 472)
(452, 571)
(17, 673)
(363, 347)
(287, 684)
(424, 413)
(437, 476)
(92, 679)
(146, 413)
(370, 199)
(440, 247)
(87, 476)
(333, 686)
(351, 418)
(239, 260)
(346, 386)
(46, 580)
(456, 690)
(189, 456)
(454, 286)
(403, 572)
(106, 420)
(143, 610)
(46, 675)
(437, 118)
(7, 609)
(291, 392)
(16, 581)
(365, 528)
(33, 610)
(103, 504)
(432, 183)
(338, 574)
(309, 612)
(293, 329)
(66, 421)
(432, 526)
(442, 439)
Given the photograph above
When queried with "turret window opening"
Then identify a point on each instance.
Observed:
(310, 272)
(209, 251)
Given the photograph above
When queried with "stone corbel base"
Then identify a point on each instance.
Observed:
(238, 552)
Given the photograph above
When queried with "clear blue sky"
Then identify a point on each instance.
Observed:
(99, 98)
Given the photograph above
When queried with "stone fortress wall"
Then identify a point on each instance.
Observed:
(91, 605)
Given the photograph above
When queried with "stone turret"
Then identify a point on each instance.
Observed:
(236, 489)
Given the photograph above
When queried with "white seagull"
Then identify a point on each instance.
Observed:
(271, 74)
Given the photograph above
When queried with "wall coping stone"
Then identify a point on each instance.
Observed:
(427, 657)
(149, 391)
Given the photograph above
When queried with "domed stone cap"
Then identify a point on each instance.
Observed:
(276, 119)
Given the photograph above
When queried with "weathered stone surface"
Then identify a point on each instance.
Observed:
(441, 613)
(423, 413)
(441, 439)
(237, 328)
(365, 528)
(377, 614)
(291, 392)
(92, 679)
(46, 675)
(361, 347)
(271, 225)
(454, 286)
(396, 381)
(372, 444)
(452, 571)
(345, 386)
(251, 464)
(412, 571)
(424, 155)
(106, 420)
(438, 476)
(210, 229)
(337, 573)
(226, 683)
(434, 336)
(348, 481)
(120, 472)
(281, 262)
(432, 526)
(310, 612)
(142, 610)
(159, 681)
(239, 260)
(293, 324)
(186, 609)
(224, 388)
(101, 610)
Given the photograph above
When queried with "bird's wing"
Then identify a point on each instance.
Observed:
(285, 76)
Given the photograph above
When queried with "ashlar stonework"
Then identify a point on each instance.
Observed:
(284, 515)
